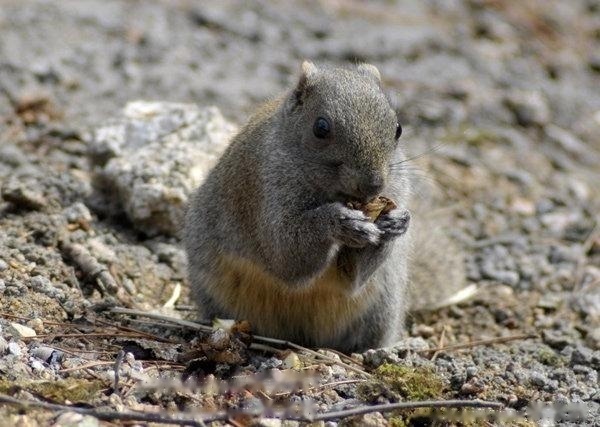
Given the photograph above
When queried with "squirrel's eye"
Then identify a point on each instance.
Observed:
(321, 128)
(398, 130)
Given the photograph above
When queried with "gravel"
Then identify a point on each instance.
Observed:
(112, 112)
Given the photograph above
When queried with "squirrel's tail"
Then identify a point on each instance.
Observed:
(437, 271)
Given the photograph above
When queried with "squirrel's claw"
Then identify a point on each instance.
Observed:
(393, 224)
(355, 229)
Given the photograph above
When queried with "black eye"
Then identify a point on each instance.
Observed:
(321, 128)
(398, 130)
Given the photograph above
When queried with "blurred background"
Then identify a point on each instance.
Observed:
(445, 62)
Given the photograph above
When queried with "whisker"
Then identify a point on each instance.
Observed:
(418, 156)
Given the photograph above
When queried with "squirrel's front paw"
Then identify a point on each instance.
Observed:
(355, 230)
(393, 224)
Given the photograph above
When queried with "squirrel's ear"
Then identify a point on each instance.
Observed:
(370, 71)
(307, 73)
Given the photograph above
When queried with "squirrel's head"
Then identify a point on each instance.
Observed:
(345, 131)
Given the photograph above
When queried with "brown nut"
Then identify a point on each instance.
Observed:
(375, 208)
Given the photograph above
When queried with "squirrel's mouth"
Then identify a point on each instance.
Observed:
(351, 198)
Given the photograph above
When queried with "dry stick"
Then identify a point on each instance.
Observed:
(118, 362)
(319, 387)
(220, 416)
(81, 257)
(345, 356)
(311, 352)
(71, 325)
(122, 416)
(498, 340)
(86, 366)
(46, 322)
(198, 326)
(156, 316)
(137, 331)
(441, 343)
(82, 335)
(406, 405)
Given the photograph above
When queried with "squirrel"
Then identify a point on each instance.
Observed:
(270, 236)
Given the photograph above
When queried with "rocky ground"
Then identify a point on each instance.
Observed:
(500, 101)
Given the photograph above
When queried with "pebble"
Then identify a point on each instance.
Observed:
(73, 419)
(556, 339)
(14, 348)
(78, 213)
(538, 379)
(36, 365)
(471, 388)
(269, 422)
(373, 419)
(550, 301)
(529, 108)
(47, 354)
(472, 371)
(424, 331)
(377, 357)
(37, 325)
(292, 361)
(581, 356)
(593, 338)
(21, 331)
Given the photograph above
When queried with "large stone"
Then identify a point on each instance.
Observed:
(147, 162)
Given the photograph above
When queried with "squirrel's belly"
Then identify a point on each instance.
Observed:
(317, 313)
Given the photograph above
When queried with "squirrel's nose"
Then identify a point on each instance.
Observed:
(371, 187)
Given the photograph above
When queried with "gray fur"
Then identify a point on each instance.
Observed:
(277, 199)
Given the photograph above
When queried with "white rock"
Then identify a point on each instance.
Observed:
(292, 361)
(14, 348)
(152, 158)
(21, 331)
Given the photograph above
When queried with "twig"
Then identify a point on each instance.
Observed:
(118, 362)
(311, 352)
(441, 343)
(156, 316)
(46, 322)
(174, 296)
(137, 331)
(105, 415)
(386, 407)
(498, 340)
(263, 347)
(86, 366)
(345, 356)
(90, 266)
(185, 307)
(320, 387)
(261, 339)
(86, 335)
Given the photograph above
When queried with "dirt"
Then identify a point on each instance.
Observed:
(500, 106)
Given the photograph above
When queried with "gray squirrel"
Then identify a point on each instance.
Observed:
(270, 236)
